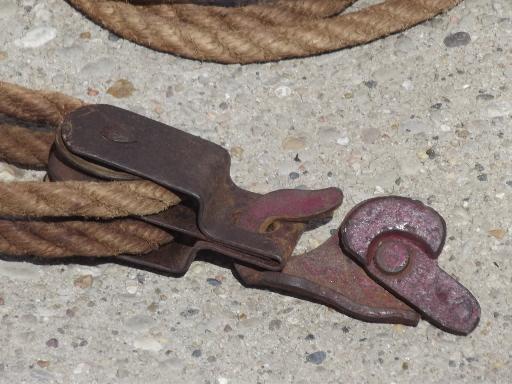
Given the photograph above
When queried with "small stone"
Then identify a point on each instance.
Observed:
(479, 167)
(211, 359)
(482, 177)
(141, 278)
(85, 35)
(153, 307)
(214, 282)
(405, 366)
(498, 233)
(422, 155)
(292, 143)
(43, 363)
(237, 152)
(282, 91)
(132, 287)
(83, 282)
(462, 133)
(370, 84)
(190, 312)
(169, 92)
(274, 325)
(316, 357)
(223, 105)
(113, 37)
(52, 343)
(485, 97)
(293, 175)
(228, 328)
(3, 55)
(457, 39)
(79, 343)
(197, 353)
(408, 85)
(37, 37)
(431, 153)
(147, 344)
(92, 92)
(343, 141)
(378, 190)
(121, 89)
(310, 337)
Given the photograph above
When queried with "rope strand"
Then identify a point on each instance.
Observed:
(25, 147)
(258, 32)
(35, 106)
(83, 199)
(79, 238)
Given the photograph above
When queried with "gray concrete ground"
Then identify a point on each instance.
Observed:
(423, 114)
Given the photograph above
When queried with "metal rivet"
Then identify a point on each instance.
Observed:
(392, 257)
(119, 134)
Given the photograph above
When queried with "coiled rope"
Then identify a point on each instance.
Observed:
(53, 219)
(260, 31)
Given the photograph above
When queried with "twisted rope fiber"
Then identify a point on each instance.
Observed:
(79, 238)
(69, 237)
(83, 199)
(25, 147)
(35, 106)
(257, 32)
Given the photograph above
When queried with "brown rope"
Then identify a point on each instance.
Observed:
(25, 147)
(35, 106)
(79, 238)
(257, 32)
(83, 199)
(20, 201)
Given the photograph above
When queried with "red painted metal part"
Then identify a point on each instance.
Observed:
(380, 267)
(328, 276)
(398, 240)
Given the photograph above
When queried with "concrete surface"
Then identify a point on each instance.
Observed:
(425, 114)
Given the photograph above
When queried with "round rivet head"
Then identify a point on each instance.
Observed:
(392, 257)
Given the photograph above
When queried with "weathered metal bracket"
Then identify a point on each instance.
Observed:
(380, 267)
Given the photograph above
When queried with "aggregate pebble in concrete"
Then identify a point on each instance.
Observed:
(405, 115)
